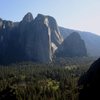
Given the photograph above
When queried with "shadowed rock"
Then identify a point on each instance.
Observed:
(72, 46)
(90, 83)
(92, 40)
(29, 40)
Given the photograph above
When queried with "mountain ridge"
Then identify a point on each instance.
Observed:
(34, 39)
(91, 40)
(30, 39)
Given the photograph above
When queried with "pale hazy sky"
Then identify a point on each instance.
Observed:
(75, 14)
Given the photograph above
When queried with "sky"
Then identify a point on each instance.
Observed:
(81, 15)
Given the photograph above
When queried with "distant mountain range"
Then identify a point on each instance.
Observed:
(92, 41)
(37, 39)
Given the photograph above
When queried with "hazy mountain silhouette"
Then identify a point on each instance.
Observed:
(72, 46)
(92, 41)
(37, 39)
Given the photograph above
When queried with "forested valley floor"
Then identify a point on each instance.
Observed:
(54, 81)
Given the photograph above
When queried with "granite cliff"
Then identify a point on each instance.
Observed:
(34, 39)
(72, 46)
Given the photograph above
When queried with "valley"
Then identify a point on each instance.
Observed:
(54, 81)
(41, 61)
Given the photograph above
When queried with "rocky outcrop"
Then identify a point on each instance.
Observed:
(28, 17)
(31, 39)
(44, 32)
(90, 83)
(56, 37)
(92, 40)
(72, 46)
(38, 46)
(6, 30)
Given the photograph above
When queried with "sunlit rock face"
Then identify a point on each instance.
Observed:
(72, 46)
(29, 40)
(90, 83)
(39, 44)
(56, 37)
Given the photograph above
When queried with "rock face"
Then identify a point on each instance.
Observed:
(6, 29)
(38, 46)
(92, 41)
(31, 39)
(72, 46)
(90, 82)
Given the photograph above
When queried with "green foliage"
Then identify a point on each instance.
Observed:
(56, 81)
